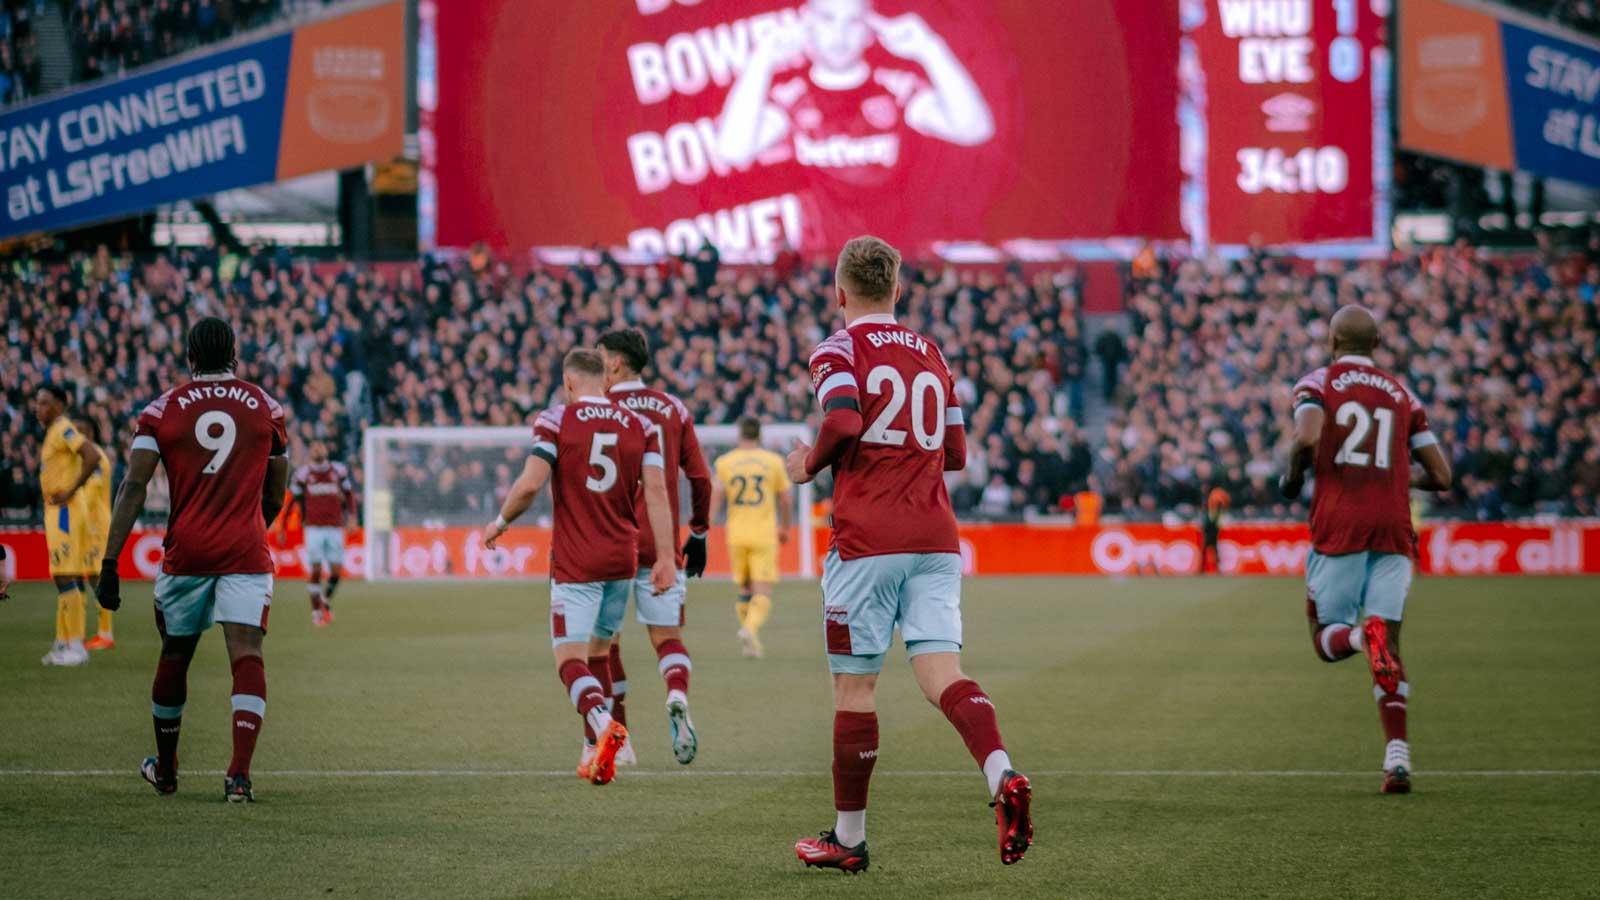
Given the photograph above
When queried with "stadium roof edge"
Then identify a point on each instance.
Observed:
(289, 23)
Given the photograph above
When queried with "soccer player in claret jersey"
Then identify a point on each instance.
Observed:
(1359, 569)
(325, 495)
(595, 454)
(222, 442)
(661, 612)
(891, 428)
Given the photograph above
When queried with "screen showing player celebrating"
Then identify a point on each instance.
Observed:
(891, 428)
(222, 441)
(1362, 540)
(323, 491)
(626, 355)
(595, 454)
(842, 115)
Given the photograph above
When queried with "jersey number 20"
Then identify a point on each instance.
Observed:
(924, 383)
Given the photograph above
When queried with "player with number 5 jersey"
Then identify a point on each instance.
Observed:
(1359, 428)
(222, 442)
(891, 428)
(596, 455)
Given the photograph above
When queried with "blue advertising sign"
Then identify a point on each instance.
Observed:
(1553, 86)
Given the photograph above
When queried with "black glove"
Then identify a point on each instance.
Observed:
(1290, 490)
(694, 555)
(108, 593)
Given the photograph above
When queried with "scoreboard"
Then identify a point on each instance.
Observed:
(1295, 100)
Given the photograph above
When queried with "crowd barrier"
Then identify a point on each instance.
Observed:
(1473, 548)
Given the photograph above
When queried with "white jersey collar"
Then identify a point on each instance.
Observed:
(841, 79)
(588, 399)
(874, 319)
(634, 385)
(1358, 360)
(215, 376)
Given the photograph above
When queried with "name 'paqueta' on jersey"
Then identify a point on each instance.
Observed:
(1362, 495)
(215, 435)
(597, 452)
(680, 451)
(888, 484)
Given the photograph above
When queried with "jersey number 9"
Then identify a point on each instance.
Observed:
(221, 443)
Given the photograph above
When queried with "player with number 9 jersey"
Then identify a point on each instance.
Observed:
(215, 434)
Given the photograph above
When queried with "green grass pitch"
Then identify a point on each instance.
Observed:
(1183, 739)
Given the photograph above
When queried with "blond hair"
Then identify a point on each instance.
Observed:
(868, 269)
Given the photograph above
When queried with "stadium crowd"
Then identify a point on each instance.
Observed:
(111, 36)
(1503, 353)
(20, 69)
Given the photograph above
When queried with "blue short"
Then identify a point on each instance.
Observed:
(1342, 586)
(189, 604)
(587, 609)
(665, 608)
(864, 599)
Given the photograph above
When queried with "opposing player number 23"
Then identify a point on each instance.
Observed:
(922, 385)
(607, 466)
(221, 443)
(1359, 419)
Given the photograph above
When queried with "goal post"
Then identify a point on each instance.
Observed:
(427, 492)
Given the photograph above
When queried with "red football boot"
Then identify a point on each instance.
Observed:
(1011, 814)
(603, 765)
(825, 852)
(1385, 668)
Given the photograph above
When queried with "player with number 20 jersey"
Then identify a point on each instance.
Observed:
(891, 428)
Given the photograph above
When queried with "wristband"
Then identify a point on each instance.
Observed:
(501, 523)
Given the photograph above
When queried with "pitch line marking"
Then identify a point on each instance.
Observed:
(796, 773)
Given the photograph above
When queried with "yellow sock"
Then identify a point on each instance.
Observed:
(63, 623)
(760, 609)
(105, 622)
(74, 602)
(742, 608)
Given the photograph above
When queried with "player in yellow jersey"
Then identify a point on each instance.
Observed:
(757, 490)
(96, 494)
(67, 461)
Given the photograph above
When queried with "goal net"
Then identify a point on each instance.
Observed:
(428, 492)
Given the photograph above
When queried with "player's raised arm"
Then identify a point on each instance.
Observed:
(750, 124)
(952, 109)
(142, 460)
(535, 472)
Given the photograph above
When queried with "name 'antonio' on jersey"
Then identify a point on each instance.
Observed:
(215, 435)
(1363, 470)
(597, 452)
(888, 485)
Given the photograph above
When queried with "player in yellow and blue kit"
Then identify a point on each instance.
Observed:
(68, 460)
(96, 493)
(757, 490)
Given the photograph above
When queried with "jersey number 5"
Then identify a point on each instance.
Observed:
(220, 444)
(1353, 414)
(879, 431)
(607, 466)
